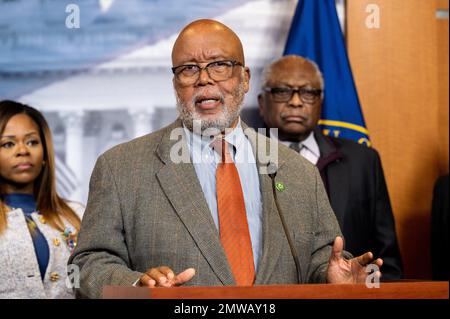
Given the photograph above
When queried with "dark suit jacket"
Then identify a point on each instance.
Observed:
(145, 210)
(354, 180)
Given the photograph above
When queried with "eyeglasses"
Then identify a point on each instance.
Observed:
(284, 94)
(188, 74)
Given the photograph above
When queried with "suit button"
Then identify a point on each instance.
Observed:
(54, 276)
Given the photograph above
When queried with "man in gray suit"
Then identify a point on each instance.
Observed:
(153, 216)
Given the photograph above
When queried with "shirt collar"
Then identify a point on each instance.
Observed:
(310, 142)
(235, 137)
(24, 201)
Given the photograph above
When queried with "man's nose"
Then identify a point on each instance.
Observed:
(295, 99)
(204, 78)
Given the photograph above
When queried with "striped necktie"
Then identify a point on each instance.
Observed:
(296, 147)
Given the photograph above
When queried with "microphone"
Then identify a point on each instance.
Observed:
(272, 170)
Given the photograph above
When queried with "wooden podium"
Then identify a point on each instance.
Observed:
(387, 290)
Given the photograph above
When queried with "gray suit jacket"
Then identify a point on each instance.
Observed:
(145, 211)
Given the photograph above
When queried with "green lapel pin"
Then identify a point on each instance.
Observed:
(280, 186)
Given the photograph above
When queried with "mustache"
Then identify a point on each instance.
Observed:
(200, 95)
(229, 111)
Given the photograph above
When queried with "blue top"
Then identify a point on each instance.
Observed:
(205, 161)
(28, 205)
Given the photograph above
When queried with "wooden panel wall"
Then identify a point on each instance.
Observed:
(401, 72)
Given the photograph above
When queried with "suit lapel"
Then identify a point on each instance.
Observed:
(336, 175)
(273, 237)
(338, 185)
(180, 184)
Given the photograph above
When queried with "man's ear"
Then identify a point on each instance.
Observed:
(247, 77)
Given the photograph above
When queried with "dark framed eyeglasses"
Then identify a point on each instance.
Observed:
(284, 94)
(188, 74)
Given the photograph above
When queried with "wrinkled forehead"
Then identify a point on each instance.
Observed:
(206, 44)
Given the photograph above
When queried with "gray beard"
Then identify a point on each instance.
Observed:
(224, 120)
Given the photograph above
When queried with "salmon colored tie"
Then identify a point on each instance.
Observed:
(233, 226)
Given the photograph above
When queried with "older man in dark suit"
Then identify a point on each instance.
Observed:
(352, 173)
(182, 206)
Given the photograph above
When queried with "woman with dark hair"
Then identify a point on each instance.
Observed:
(37, 227)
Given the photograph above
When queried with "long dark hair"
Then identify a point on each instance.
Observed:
(48, 202)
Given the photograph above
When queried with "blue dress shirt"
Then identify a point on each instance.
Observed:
(205, 161)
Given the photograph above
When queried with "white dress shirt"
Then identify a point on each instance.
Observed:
(309, 148)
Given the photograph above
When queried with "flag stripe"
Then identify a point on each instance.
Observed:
(351, 126)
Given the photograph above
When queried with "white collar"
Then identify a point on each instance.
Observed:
(310, 142)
